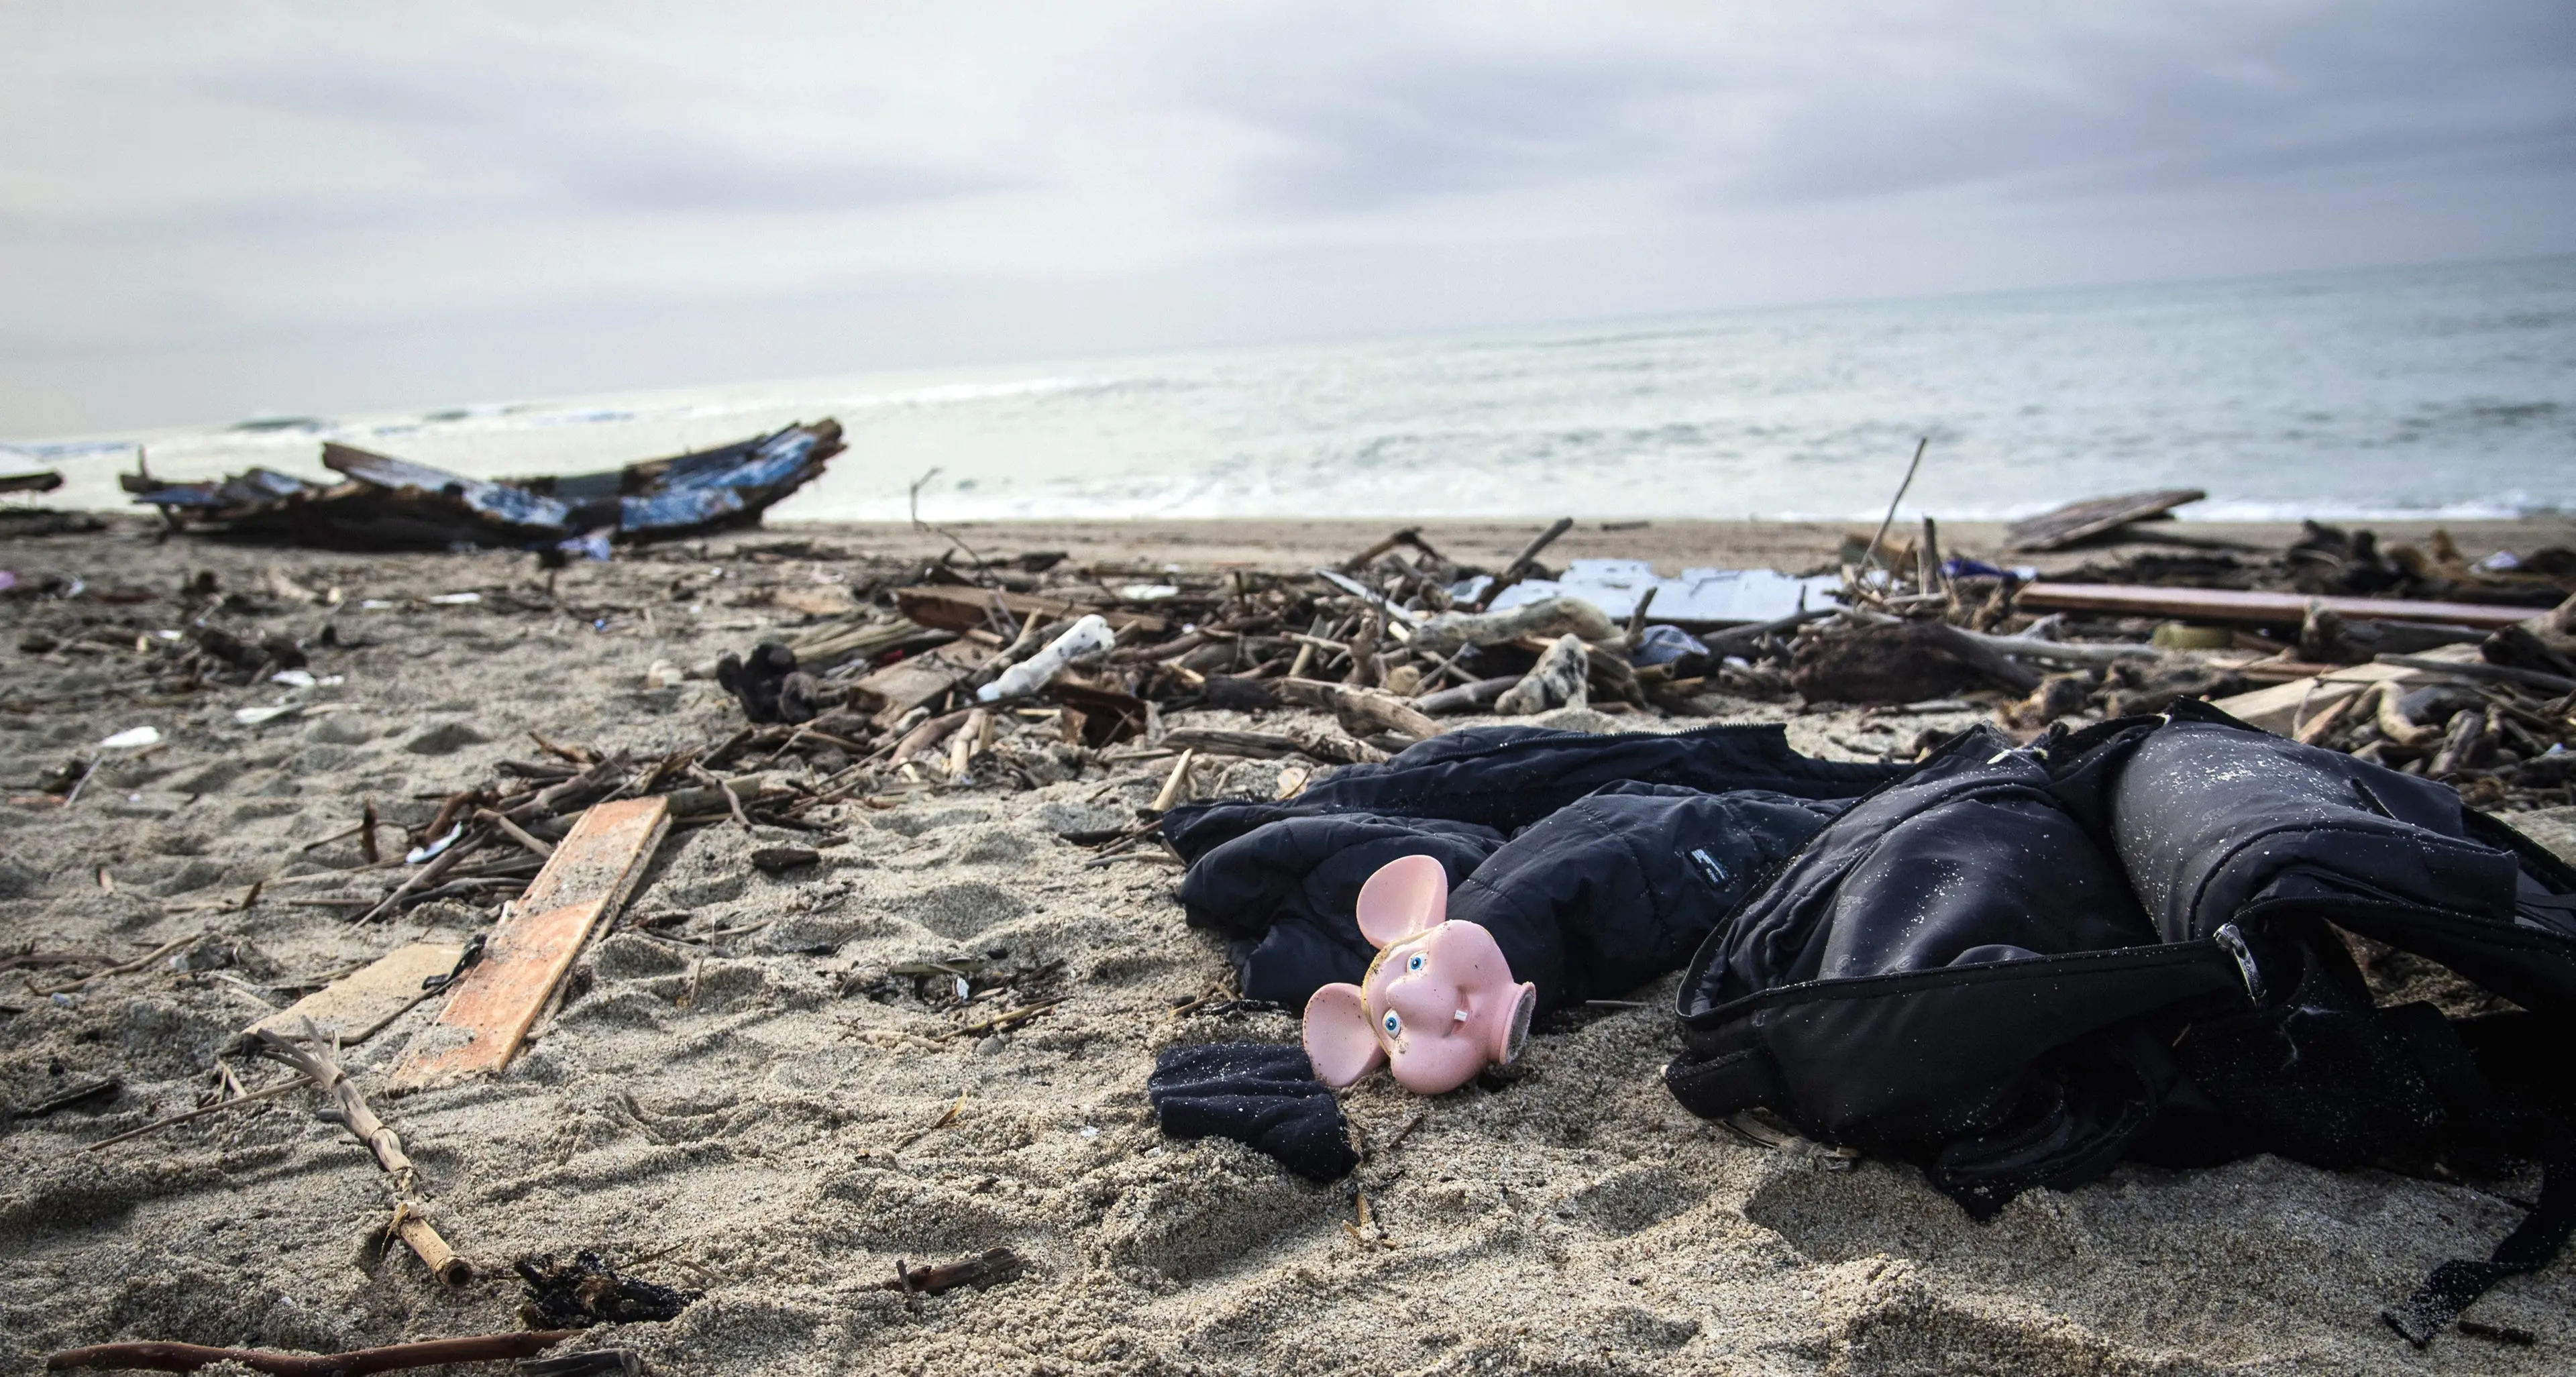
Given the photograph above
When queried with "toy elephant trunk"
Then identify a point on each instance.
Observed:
(1437, 1006)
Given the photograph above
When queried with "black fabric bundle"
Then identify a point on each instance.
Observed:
(1259, 1094)
(1628, 849)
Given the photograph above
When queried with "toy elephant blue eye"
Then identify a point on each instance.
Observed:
(1394, 1026)
(1415, 964)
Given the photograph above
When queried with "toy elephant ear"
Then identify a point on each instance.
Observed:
(1338, 1038)
(1406, 897)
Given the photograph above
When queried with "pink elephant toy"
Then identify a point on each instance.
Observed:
(1436, 1007)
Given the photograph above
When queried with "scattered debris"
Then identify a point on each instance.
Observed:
(94, 1091)
(30, 480)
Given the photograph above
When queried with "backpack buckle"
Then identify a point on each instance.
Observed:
(2233, 943)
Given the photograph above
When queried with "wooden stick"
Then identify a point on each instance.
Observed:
(136, 964)
(993, 1264)
(1519, 568)
(1371, 707)
(1172, 783)
(1025, 1011)
(438, 865)
(263, 1093)
(968, 742)
(415, 1231)
(1871, 557)
(312, 1056)
(515, 832)
(733, 801)
(1637, 617)
(2467, 669)
(351, 830)
(2325, 722)
(2254, 607)
(169, 1357)
(927, 734)
(367, 834)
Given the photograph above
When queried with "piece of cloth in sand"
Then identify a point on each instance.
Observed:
(1628, 850)
(1260, 1094)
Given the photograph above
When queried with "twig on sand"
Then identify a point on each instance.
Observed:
(128, 968)
(167, 1357)
(981, 1269)
(1001, 1021)
(1890, 519)
(268, 1092)
(934, 1125)
(733, 801)
(312, 1055)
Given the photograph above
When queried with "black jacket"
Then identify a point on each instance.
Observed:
(1622, 851)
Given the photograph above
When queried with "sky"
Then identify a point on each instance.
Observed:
(212, 210)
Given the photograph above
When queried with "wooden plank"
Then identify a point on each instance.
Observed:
(2255, 609)
(915, 680)
(357, 1006)
(951, 608)
(2091, 517)
(493, 1007)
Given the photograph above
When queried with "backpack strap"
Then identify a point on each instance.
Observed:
(2533, 1244)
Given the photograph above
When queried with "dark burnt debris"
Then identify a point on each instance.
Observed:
(387, 503)
(587, 1291)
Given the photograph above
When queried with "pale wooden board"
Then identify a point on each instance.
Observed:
(2076, 520)
(493, 1007)
(2247, 607)
(356, 1006)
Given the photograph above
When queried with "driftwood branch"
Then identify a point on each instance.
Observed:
(167, 1357)
(1465, 696)
(312, 1056)
(1359, 707)
(1522, 563)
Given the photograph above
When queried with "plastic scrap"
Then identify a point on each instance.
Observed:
(1698, 595)
(1085, 638)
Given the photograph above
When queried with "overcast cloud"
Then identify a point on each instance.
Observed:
(210, 210)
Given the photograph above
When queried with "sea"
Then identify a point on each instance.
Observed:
(2444, 391)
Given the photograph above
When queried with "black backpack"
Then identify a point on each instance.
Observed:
(2018, 965)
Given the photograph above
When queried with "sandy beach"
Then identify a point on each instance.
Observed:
(738, 1097)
